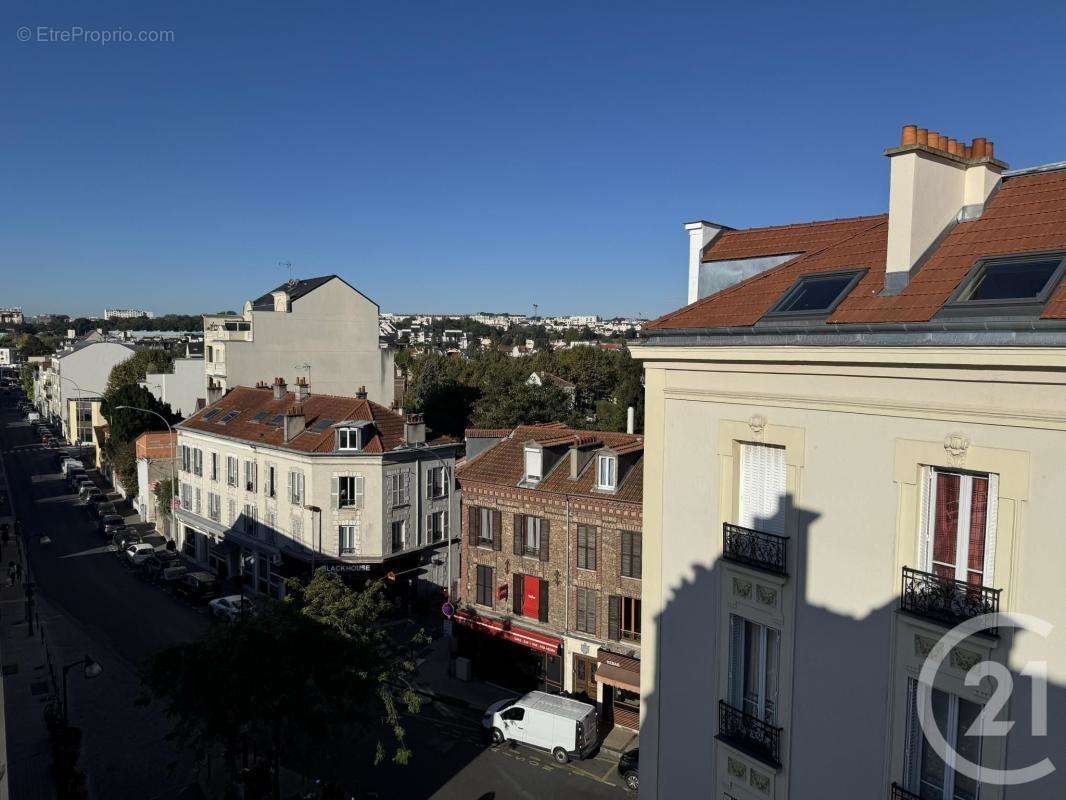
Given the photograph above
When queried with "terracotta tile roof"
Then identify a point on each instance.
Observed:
(1027, 214)
(488, 433)
(504, 462)
(250, 401)
(782, 239)
(152, 444)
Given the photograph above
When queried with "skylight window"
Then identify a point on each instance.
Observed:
(1011, 282)
(229, 416)
(816, 295)
(210, 414)
(260, 416)
(321, 425)
(276, 420)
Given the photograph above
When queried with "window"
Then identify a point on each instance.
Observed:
(484, 527)
(251, 514)
(270, 527)
(271, 481)
(437, 525)
(1011, 282)
(232, 511)
(296, 487)
(586, 547)
(762, 488)
(631, 554)
(186, 496)
(399, 535)
(959, 527)
(210, 414)
(262, 415)
(229, 416)
(276, 420)
(606, 470)
(484, 586)
(186, 459)
(321, 425)
(586, 611)
(231, 471)
(398, 484)
(198, 462)
(348, 439)
(534, 464)
(197, 500)
(214, 467)
(514, 714)
(754, 655)
(926, 773)
(816, 295)
(348, 536)
(214, 506)
(296, 526)
(623, 619)
(350, 491)
(435, 482)
(527, 535)
(249, 476)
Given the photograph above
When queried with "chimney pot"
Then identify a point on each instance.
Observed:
(279, 388)
(910, 135)
(923, 136)
(361, 393)
(989, 149)
(978, 147)
(414, 429)
(953, 147)
(968, 151)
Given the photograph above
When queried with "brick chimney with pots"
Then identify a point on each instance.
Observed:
(414, 430)
(279, 388)
(294, 422)
(936, 182)
(303, 389)
(360, 393)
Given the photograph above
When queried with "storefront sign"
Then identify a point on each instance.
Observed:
(526, 638)
(347, 567)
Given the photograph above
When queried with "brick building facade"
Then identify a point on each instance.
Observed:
(551, 522)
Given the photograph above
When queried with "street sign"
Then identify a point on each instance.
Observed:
(447, 610)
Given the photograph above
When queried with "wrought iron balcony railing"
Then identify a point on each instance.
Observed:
(897, 792)
(946, 600)
(765, 551)
(749, 734)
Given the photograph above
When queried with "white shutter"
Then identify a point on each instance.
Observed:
(992, 520)
(292, 494)
(736, 661)
(762, 488)
(358, 491)
(913, 741)
(927, 488)
(334, 492)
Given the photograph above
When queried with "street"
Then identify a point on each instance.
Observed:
(91, 603)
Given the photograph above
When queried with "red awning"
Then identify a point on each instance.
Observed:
(492, 627)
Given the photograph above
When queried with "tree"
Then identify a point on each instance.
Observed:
(508, 405)
(127, 424)
(136, 367)
(31, 345)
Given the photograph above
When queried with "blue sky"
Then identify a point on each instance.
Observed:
(469, 156)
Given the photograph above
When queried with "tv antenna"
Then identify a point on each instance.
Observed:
(287, 265)
(535, 307)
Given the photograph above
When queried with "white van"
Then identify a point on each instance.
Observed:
(33, 416)
(565, 726)
(70, 464)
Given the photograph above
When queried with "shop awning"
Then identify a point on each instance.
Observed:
(526, 638)
(618, 670)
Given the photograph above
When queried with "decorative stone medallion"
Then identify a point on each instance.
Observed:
(741, 588)
(737, 768)
(766, 596)
(956, 445)
(759, 781)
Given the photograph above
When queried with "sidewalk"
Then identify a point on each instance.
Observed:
(434, 679)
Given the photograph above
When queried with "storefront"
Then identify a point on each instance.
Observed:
(518, 658)
(619, 676)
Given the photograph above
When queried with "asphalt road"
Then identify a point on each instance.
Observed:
(97, 605)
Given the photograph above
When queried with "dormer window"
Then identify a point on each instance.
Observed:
(606, 473)
(349, 439)
(534, 464)
(1020, 282)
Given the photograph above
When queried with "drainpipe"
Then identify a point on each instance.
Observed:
(566, 584)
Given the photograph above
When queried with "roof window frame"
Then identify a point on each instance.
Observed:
(996, 306)
(854, 274)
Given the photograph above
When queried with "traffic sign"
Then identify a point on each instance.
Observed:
(448, 610)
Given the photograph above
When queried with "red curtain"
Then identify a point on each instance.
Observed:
(946, 526)
(978, 524)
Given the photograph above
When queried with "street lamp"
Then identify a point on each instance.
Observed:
(92, 670)
(173, 441)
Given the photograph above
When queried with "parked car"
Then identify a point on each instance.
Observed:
(628, 769)
(160, 560)
(81, 483)
(198, 586)
(173, 575)
(102, 507)
(564, 726)
(90, 492)
(230, 608)
(111, 524)
(124, 538)
(137, 553)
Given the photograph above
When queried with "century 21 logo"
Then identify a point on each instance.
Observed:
(987, 723)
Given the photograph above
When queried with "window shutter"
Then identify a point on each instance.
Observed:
(736, 661)
(614, 617)
(359, 491)
(406, 487)
(627, 552)
(292, 485)
(335, 492)
(545, 532)
(519, 533)
(444, 524)
(471, 526)
(594, 547)
(497, 530)
(762, 488)
(925, 529)
(913, 742)
(992, 519)
(636, 548)
(543, 615)
(516, 594)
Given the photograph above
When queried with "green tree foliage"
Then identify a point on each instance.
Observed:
(164, 491)
(137, 366)
(32, 345)
(309, 680)
(26, 378)
(125, 425)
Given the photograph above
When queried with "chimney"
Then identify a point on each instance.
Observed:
(293, 422)
(414, 429)
(935, 182)
(631, 420)
(281, 300)
(700, 234)
(303, 389)
(360, 393)
(279, 388)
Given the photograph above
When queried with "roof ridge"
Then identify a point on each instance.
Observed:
(810, 224)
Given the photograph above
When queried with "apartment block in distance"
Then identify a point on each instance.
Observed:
(321, 325)
(552, 563)
(855, 441)
(275, 483)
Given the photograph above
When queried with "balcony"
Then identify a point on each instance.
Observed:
(946, 600)
(763, 551)
(897, 792)
(749, 734)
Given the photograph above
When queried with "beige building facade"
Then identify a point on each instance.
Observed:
(829, 492)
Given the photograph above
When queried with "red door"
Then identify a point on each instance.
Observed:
(530, 596)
